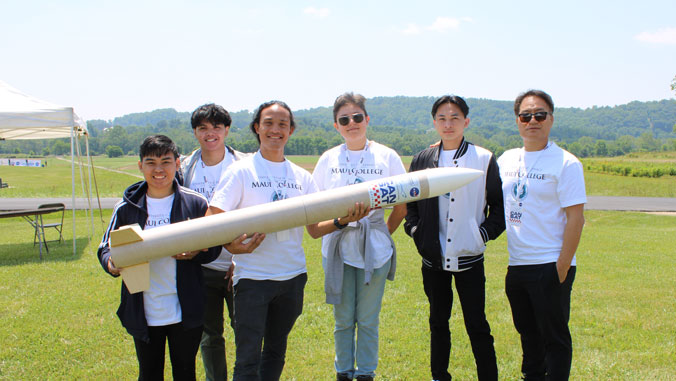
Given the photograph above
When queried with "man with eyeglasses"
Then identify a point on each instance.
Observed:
(544, 197)
(450, 233)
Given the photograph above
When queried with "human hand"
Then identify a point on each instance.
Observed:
(355, 214)
(562, 271)
(111, 267)
(187, 255)
(239, 247)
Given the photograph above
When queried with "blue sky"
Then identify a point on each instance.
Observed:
(110, 58)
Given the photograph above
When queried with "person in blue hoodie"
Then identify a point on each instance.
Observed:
(172, 309)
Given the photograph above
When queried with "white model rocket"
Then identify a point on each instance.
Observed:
(132, 248)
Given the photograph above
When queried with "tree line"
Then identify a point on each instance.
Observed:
(403, 123)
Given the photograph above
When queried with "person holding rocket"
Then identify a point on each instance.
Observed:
(358, 256)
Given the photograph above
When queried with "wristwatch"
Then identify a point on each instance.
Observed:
(338, 224)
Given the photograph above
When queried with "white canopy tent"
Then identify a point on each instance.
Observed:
(25, 117)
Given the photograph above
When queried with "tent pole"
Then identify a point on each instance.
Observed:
(85, 189)
(72, 182)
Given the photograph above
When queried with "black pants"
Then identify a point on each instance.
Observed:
(183, 344)
(470, 285)
(265, 312)
(541, 310)
(213, 343)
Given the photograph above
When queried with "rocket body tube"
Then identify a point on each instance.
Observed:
(222, 228)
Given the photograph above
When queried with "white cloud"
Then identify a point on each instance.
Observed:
(317, 12)
(411, 30)
(442, 24)
(662, 36)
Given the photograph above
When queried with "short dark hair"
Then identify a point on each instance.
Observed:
(257, 116)
(456, 100)
(349, 98)
(157, 145)
(211, 113)
(533, 93)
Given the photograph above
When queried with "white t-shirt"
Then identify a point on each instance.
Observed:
(204, 180)
(339, 167)
(536, 188)
(160, 302)
(252, 181)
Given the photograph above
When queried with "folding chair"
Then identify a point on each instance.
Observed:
(58, 226)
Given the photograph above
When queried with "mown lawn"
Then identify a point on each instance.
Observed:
(57, 316)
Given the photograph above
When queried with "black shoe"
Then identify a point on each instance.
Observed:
(342, 377)
(364, 378)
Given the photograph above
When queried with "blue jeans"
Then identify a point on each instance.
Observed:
(265, 312)
(213, 343)
(359, 309)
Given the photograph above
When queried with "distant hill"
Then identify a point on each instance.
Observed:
(405, 124)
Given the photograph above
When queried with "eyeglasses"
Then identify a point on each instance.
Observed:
(345, 120)
(539, 116)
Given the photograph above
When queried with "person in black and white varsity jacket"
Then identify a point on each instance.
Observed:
(450, 233)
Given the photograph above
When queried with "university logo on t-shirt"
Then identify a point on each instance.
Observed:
(278, 195)
(357, 180)
(520, 191)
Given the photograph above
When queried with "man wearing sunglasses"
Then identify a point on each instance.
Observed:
(450, 233)
(544, 197)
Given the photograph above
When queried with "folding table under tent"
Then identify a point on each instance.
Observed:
(25, 117)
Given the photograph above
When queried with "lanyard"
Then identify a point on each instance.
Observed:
(276, 185)
(523, 174)
(351, 166)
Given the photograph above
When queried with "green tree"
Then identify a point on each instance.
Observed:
(648, 143)
(114, 151)
(601, 149)
(60, 147)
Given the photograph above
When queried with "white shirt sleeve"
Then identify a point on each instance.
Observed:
(396, 165)
(229, 191)
(571, 189)
(319, 173)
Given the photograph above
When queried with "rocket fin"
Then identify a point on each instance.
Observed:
(136, 277)
(125, 235)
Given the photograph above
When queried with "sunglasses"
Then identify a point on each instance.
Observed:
(345, 120)
(539, 116)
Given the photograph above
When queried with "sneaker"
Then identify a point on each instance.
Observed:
(342, 377)
(364, 377)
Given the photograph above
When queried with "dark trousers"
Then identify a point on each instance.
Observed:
(541, 310)
(183, 344)
(265, 312)
(470, 285)
(213, 343)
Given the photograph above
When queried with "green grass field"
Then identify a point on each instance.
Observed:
(57, 316)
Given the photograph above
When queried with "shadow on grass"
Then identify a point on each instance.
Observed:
(15, 254)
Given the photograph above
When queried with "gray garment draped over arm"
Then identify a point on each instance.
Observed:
(333, 264)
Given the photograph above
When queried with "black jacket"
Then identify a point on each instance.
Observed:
(132, 210)
(422, 218)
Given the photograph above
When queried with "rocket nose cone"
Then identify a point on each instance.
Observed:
(444, 180)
